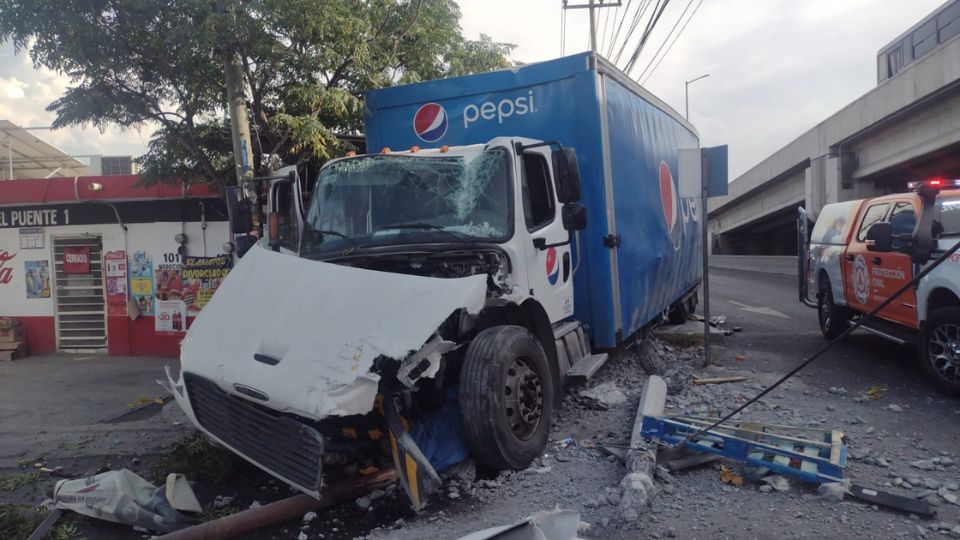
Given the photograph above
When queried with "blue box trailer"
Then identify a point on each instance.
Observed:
(640, 250)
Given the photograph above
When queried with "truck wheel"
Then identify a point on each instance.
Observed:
(833, 318)
(940, 349)
(506, 397)
(680, 312)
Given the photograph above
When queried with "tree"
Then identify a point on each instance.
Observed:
(306, 65)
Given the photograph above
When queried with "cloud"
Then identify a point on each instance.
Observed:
(28, 90)
(12, 88)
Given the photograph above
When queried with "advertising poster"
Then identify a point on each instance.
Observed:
(140, 272)
(38, 279)
(171, 316)
(169, 281)
(31, 238)
(115, 274)
(201, 277)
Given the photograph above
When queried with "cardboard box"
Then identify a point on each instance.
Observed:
(10, 351)
(11, 334)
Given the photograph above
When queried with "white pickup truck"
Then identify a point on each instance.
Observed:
(861, 252)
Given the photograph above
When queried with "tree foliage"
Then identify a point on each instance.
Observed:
(306, 64)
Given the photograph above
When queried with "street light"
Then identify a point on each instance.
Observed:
(686, 100)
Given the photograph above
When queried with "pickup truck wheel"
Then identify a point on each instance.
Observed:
(833, 318)
(940, 349)
(506, 397)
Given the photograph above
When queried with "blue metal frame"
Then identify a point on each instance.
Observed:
(674, 432)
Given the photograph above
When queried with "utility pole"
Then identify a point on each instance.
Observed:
(592, 6)
(239, 126)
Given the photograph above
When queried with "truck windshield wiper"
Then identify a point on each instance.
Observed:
(424, 227)
(320, 232)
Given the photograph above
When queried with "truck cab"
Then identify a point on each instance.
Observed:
(418, 284)
(862, 252)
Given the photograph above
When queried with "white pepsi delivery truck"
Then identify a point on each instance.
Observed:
(430, 299)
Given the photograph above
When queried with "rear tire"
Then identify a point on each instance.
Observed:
(940, 349)
(833, 318)
(506, 397)
(680, 312)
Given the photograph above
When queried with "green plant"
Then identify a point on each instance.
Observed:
(15, 522)
(196, 458)
(64, 531)
(15, 481)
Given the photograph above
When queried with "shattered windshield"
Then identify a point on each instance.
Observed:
(399, 199)
(950, 215)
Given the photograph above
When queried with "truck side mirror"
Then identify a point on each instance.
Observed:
(567, 175)
(923, 240)
(574, 216)
(880, 237)
(238, 211)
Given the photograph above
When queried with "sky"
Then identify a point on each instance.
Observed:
(777, 67)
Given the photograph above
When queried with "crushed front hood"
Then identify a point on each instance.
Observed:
(303, 334)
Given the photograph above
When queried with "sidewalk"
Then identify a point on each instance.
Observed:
(57, 406)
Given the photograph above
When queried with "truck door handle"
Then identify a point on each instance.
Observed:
(850, 258)
(877, 260)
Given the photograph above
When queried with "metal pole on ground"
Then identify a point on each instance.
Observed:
(283, 510)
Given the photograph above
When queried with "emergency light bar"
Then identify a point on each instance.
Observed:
(936, 183)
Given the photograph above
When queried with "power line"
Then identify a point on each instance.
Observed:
(694, 12)
(606, 22)
(633, 26)
(651, 24)
(609, 39)
(613, 42)
(666, 39)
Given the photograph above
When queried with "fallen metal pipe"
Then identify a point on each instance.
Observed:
(283, 510)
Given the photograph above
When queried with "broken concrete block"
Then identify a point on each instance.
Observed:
(636, 490)
(653, 398)
(777, 482)
(605, 395)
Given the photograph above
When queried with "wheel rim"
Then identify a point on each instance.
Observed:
(944, 352)
(523, 396)
(825, 310)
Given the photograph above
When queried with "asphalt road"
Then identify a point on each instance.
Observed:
(780, 332)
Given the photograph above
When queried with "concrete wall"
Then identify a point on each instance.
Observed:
(786, 266)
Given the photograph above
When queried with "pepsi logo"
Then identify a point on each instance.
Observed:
(671, 205)
(553, 269)
(430, 122)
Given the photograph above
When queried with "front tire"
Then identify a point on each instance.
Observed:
(833, 318)
(506, 397)
(940, 349)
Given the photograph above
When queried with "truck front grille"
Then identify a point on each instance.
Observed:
(285, 447)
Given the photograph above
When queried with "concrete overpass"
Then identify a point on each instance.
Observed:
(906, 128)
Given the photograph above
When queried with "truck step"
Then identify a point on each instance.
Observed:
(585, 368)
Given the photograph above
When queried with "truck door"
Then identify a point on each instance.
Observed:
(858, 261)
(893, 270)
(285, 214)
(549, 270)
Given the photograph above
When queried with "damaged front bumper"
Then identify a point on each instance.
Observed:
(283, 447)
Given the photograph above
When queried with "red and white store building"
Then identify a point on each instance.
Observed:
(100, 264)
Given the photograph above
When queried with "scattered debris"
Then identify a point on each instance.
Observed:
(740, 358)
(719, 380)
(898, 502)
(604, 395)
(876, 392)
(124, 497)
(727, 476)
(893, 407)
(778, 482)
(832, 491)
(554, 525)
